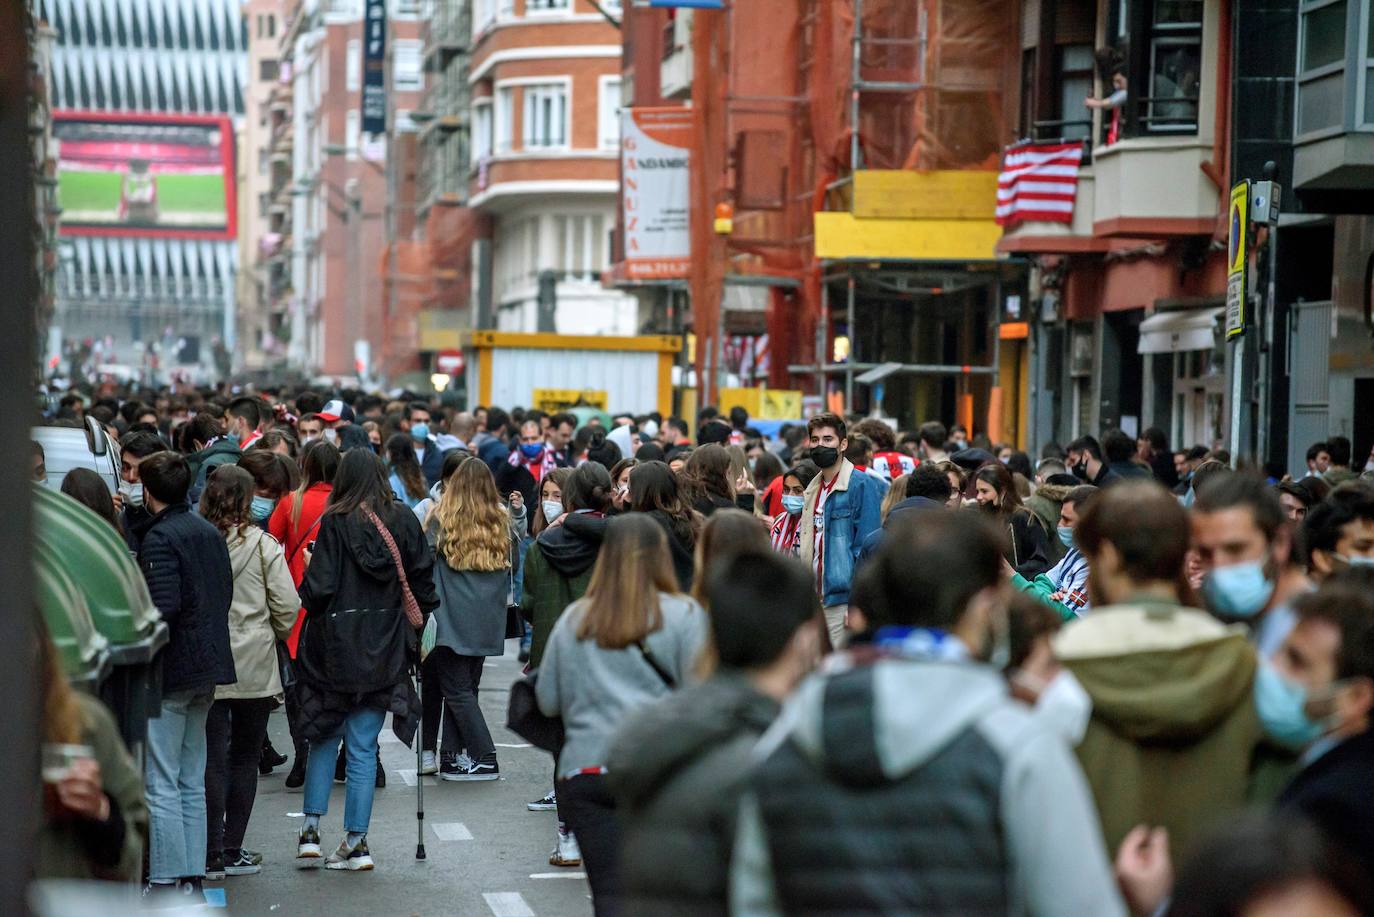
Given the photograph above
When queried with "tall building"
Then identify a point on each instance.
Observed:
(545, 97)
(145, 96)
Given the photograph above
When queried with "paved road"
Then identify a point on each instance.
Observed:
(487, 854)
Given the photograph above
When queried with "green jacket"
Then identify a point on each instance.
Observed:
(224, 451)
(1042, 588)
(1173, 727)
(545, 594)
(62, 850)
(1045, 503)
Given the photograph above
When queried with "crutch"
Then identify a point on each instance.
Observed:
(419, 777)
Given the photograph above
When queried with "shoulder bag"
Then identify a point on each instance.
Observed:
(412, 607)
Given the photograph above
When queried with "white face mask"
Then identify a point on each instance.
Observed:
(1062, 704)
(552, 510)
(331, 436)
(132, 493)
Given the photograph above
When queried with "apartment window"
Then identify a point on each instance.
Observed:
(579, 250)
(351, 131)
(1165, 69)
(353, 65)
(407, 66)
(407, 9)
(1074, 76)
(505, 119)
(1321, 66)
(268, 69)
(608, 113)
(481, 130)
(545, 116)
(546, 6)
(271, 25)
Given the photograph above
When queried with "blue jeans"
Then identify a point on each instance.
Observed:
(176, 787)
(359, 736)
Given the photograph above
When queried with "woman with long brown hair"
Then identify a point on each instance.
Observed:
(407, 478)
(654, 491)
(473, 546)
(629, 641)
(1027, 551)
(711, 483)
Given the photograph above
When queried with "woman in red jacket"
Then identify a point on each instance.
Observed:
(294, 523)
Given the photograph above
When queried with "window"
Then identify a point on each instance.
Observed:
(545, 116)
(407, 66)
(1174, 67)
(483, 14)
(546, 6)
(407, 9)
(271, 25)
(481, 130)
(1321, 66)
(268, 69)
(353, 65)
(351, 130)
(608, 114)
(505, 119)
(579, 250)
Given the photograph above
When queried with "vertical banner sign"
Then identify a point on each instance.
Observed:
(1237, 258)
(374, 67)
(654, 187)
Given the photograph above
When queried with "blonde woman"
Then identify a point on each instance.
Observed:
(629, 641)
(472, 541)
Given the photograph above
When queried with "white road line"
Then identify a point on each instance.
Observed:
(507, 904)
(558, 875)
(409, 777)
(295, 815)
(514, 745)
(452, 831)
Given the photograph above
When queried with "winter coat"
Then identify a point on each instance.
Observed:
(852, 511)
(558, 568)
(682, 550)
(1046, 503)
(1333, 792)
(1173, 725)
(186, 564)
(875, 538)
(294, 538)
(75, 848)
(223, 451)
(432, 465)
(471, 616)
(1027, 547)
(709, 503)
(892, 785)
(264, 611)
(356, 647)
(678, 768)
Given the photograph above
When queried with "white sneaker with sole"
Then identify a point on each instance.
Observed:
(429, 763)
(567, 853)
(308, 851)
(353, 859)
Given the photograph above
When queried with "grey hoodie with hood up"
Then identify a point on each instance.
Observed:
(891, 785)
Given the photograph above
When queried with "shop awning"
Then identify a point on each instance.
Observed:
(1175, 332)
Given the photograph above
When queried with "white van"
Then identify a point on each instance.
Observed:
(65, 448)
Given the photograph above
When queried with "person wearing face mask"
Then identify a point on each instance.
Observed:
(1084, 458)
(134, 448)
(785, 529)
(212, 449)
(427, 452)
(1065, 587)
(995, 492)
(1244, 543)
(274, 476)
(863, 800)
(1173, 728)
(1338, 533)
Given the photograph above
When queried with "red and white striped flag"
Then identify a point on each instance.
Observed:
(1037, 182)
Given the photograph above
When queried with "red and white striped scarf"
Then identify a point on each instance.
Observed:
(536, 467)
(786, 534)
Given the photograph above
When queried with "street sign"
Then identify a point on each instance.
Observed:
(1237, 258)
(553, 400)
(450, 362)
(374, 67)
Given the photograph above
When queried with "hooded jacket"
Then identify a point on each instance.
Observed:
(891, 785)
(677, 769)
(223, 451)
(1046, 503)
(558, 567)
(1173, 726)
(264, 611)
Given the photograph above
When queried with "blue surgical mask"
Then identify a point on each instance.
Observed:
(1281, 705)
(419, 431)
(1354, 560)
(532, 450)
(1239, 590)
(1065, 535)
(262, 508)
(793, 503)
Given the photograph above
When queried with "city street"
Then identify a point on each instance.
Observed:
(487, 854)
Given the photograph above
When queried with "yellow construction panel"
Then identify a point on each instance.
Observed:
(763, 403)
(897, 194)
(841, 235)
(661, 343)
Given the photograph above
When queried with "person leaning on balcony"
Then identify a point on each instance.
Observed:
(1113, 103)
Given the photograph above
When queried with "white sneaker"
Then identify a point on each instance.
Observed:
(351, 858)
(429, 763)
(567, 853)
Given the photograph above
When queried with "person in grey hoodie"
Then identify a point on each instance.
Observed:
(903, 778)
(678, 766)
(627, 642)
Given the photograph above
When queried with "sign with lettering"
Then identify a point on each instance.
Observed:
(374, 67)
(655, 188)
(1237, 259)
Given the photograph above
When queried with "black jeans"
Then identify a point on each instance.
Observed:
(585, 801)
(233, 735)
(459, 678)
(432, 712)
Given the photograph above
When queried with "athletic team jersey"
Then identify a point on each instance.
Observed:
(893, 464)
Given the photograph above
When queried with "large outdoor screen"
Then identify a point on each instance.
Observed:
(155, 175)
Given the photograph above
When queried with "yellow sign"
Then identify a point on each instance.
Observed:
(1237, 259)
(763, 403)
(843, 235)
(553, 400)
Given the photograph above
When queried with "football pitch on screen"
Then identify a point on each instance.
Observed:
(182, 200)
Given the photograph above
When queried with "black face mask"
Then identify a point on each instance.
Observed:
(1080, 470)
(824, 456)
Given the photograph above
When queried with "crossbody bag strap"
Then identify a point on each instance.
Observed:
(304, 538)
(412, 607)
(654, 664)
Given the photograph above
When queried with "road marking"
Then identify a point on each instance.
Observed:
(295, 815)
(409, 777)
(507, 904)
(452, 831)
(558, 875)
(515, 745)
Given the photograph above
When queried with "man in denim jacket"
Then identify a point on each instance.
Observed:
(842, 508)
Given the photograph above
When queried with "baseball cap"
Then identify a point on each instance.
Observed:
(336, 410)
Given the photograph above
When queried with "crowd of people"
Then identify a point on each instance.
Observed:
(844, 668)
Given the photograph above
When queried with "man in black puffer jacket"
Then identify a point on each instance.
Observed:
(679, 766)
(186, 564)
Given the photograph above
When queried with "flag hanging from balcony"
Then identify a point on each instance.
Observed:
(1037, 182)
